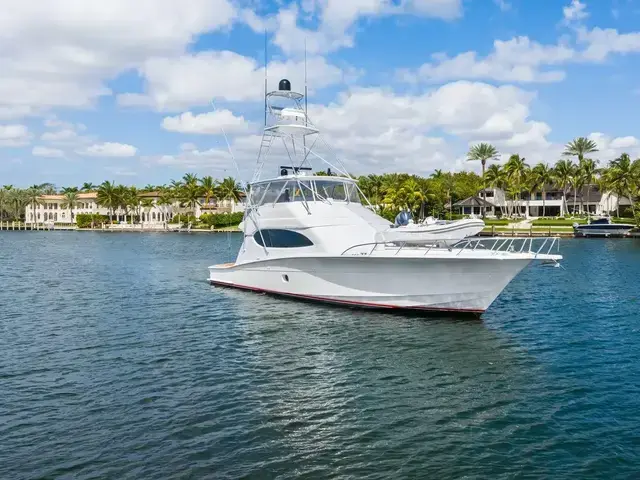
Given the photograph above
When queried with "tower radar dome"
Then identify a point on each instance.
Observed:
(284, 85)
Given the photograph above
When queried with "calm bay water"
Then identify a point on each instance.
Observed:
(118, 360)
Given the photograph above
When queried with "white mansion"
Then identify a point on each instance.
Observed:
(50, 209)
(551, 203)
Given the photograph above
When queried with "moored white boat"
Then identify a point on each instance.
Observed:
(311, 237)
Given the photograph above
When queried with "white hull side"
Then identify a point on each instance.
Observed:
(447, 284)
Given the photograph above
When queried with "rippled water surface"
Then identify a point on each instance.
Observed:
(118, 360)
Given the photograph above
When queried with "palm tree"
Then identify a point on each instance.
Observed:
(107, 197)
(579, 147)
(576, 184)
(47, 188)
(230, 189)
(18, 201)
(482, 152)
(562, 172)
(70, 201)
(545, 177)
(33, 194)
(4, 199)
(209, 188)
(531, 183)
(516, 169)
(621, 175)
(88, 187)
(588, 169)
(190, 179)
(496, 177)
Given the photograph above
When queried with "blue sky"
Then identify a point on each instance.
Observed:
(105, 90)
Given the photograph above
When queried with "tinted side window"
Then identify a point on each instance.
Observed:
(281, 239)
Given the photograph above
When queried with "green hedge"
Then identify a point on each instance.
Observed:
(84, 220)
(220, 220)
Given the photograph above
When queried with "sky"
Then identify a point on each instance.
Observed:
(139, 92)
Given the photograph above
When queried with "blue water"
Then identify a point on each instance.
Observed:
(118, 360)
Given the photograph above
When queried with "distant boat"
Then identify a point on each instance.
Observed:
(602, 227)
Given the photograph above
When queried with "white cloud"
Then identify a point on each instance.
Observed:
(60, 136)
(603, 42)
(575, 12)
(59, 53)
(178, 83)
(336, 21)
(39, 151)
(14, 135)
(517, 60)
(109, 149)
(375, 129)
(612, 147)
(206, 123)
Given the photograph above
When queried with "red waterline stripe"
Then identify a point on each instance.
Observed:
(343, 302)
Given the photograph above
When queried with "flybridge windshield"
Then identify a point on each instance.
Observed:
(304, 189)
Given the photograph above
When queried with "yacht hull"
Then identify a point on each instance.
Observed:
(428, 284)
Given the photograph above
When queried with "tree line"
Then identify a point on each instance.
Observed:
(388, 193)
(121, 200)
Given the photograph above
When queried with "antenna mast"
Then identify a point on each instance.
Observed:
(304, 138)
(265, 78)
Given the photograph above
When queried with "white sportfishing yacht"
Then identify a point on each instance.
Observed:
(310, 237)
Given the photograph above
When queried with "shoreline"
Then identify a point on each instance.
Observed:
(506, 234)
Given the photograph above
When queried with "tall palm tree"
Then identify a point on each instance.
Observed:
(516, 169)
(588, 169)
(531, 183)
(70, 201)
(562, 172)
(496, 177)
(579, 147)
(482, 152)
(230, 189)
(546, 177)
(209, 188)
(18, 201)
(107, 197)
(33, 194)
(190, 179)
(621, 178)
(4, 199)
(575, 181)
(88, 187)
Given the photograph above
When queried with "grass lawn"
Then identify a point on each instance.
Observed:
(496, 221)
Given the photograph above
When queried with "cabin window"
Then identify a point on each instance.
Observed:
(341, 191)
(276, 238)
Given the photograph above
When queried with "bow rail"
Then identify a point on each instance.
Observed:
(537, 246)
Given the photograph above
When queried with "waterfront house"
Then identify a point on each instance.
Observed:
(552, 202)
(50, 209)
